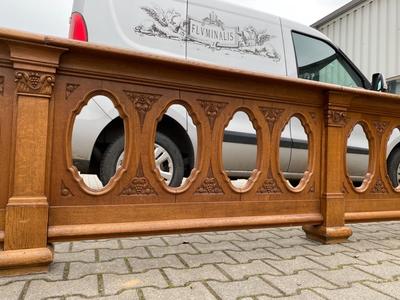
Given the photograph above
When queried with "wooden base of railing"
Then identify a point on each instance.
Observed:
(26, 261)
(327, 235)
(96, 231)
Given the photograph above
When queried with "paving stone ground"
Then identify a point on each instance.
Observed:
(260, 264)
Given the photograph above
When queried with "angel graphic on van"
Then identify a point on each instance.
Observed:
(167, 24)
(210, 31)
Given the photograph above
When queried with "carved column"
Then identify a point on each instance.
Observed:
(333, 229)
(25, 240)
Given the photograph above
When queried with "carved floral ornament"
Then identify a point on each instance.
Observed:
(34, 82)
(269, 186)
(210, 185)
(69, 89)
(336, 117)
(139, 185)
(379, 187)
(380, 126)
(143, 103)
(271, 115)
(213, 110)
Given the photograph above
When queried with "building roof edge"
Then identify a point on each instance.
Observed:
(337, 13)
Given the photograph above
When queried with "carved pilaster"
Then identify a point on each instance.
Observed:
(31, 82)
(212, 109)
(143, 103)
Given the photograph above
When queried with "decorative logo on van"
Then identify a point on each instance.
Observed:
(211, 32)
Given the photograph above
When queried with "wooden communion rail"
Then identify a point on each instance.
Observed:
(45, 81)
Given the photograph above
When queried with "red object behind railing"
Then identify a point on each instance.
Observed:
(78, 29)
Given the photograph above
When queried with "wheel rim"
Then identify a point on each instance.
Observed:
(164, 163)
(119, 161)
(398, 176)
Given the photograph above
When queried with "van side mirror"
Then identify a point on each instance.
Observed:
(379, 83)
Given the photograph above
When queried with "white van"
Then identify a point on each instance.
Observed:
(220, 33)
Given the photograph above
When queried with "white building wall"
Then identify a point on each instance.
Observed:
(370, 35)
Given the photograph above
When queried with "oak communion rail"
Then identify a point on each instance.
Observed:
(45, 81)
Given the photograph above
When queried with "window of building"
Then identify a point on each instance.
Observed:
(318, 61)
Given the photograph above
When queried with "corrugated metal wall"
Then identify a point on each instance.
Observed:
(370, 35)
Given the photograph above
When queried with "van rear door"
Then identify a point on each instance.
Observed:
(156, 27)
(234, 36)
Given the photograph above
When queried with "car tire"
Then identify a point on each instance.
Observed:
(112, 154)
(177, 161)
(109, 159)
(393, 163)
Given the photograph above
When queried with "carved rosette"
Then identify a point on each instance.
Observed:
(65, 191)
(271, 115)
(336, 117)
(380, 126)
(379, 187)
(139, 185)
(269, 186)
(210, 185)
(142, 102)
(212, 109)
(34, 83)
(1, 85)
(69, 89)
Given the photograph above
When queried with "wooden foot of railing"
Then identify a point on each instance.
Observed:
(327, 235)
(26, 261)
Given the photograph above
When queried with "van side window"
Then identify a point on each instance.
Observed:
(318, 61)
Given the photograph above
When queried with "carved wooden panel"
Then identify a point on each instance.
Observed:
(142, 102)
(213, 110)
(34, 82)
(139, 185)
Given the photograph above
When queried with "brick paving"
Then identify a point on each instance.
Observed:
(259, 264)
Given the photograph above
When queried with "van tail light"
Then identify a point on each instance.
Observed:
(77, 28)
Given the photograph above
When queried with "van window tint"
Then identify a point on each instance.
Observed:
(318, 61)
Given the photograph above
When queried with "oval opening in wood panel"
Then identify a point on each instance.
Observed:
(294, 153)
(393, 158)
(175, 146)
(358, 157)
(98, 142)
(240, 150)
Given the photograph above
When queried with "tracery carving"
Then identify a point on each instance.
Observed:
(139, 185)
(69, 89)
(143, 103)
(212, 109)
(379, 187)
(271, 115)
(380, 126)
(269, 186)
(210, 185)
